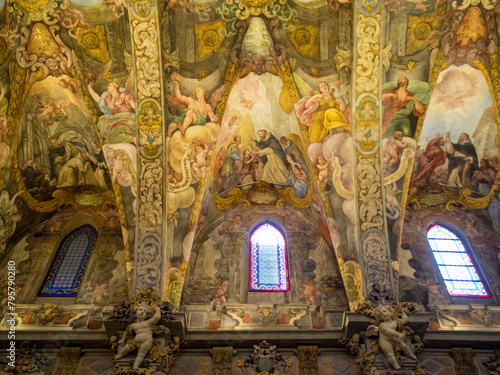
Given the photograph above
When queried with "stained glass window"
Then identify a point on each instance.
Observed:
(455, 263)
(268, 268)
(67, 269)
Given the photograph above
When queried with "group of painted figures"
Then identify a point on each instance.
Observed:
(464, 170)
(277, 162)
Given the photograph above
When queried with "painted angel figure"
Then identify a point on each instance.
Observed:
(195, 111)
(51, 111)
(199, 160)
(324, 112)
(390, 340)
(118, 124)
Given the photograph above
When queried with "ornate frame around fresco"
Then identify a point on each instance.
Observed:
(443, 198)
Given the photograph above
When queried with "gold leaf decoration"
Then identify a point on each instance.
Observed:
(209, 38)
(419, 29)
(304, 38)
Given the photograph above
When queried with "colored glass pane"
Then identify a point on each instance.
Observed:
(67, 269)
(268, 267)
(455, 263)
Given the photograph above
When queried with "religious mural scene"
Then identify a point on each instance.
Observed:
(251, 187)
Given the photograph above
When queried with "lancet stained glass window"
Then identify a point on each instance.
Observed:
(268, 267)
(67, 269)
(455, 263)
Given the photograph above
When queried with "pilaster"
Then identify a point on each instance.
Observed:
(149, 262)
(374, 254)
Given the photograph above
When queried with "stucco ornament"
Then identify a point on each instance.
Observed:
(43, 50)
(150, 211)
(487, 4)
(389, 326)
(25, 12)
(146, 316)
(367, 62)
(370, 193)
(145, 37)
(145, 29)
(143, 339)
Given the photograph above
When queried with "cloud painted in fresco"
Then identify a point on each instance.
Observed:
(458, 101)
(88, 3)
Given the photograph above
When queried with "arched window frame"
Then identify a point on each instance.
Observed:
(467, 249)
(47, 289)
(254, 285)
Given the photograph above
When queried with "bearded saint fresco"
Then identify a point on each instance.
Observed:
(273, 155)
(58, 147)
(463, 157)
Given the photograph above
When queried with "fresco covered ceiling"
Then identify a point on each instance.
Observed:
(194, 121)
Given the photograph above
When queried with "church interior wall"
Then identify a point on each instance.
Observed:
(176, 128)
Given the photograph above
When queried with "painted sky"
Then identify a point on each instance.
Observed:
(458, 101)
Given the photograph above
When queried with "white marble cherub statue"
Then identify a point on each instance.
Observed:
(143, 339)
(390, 340)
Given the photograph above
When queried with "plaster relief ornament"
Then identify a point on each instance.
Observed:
(265, 360)
(143, 339)
(25, 12)
(151, 318)
(391, 332)
(233, 10)
(43, 50)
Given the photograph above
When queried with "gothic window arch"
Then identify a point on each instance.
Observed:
(268, 259)
(455, 263)
(70, 262)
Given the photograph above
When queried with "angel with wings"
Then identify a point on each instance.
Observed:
(195, 111)
(323, 112)
(118, 125)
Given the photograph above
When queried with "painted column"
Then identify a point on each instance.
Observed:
(374, 259)
(149, 262)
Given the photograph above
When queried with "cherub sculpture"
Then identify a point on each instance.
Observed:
(143, 339)
(390, 339)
